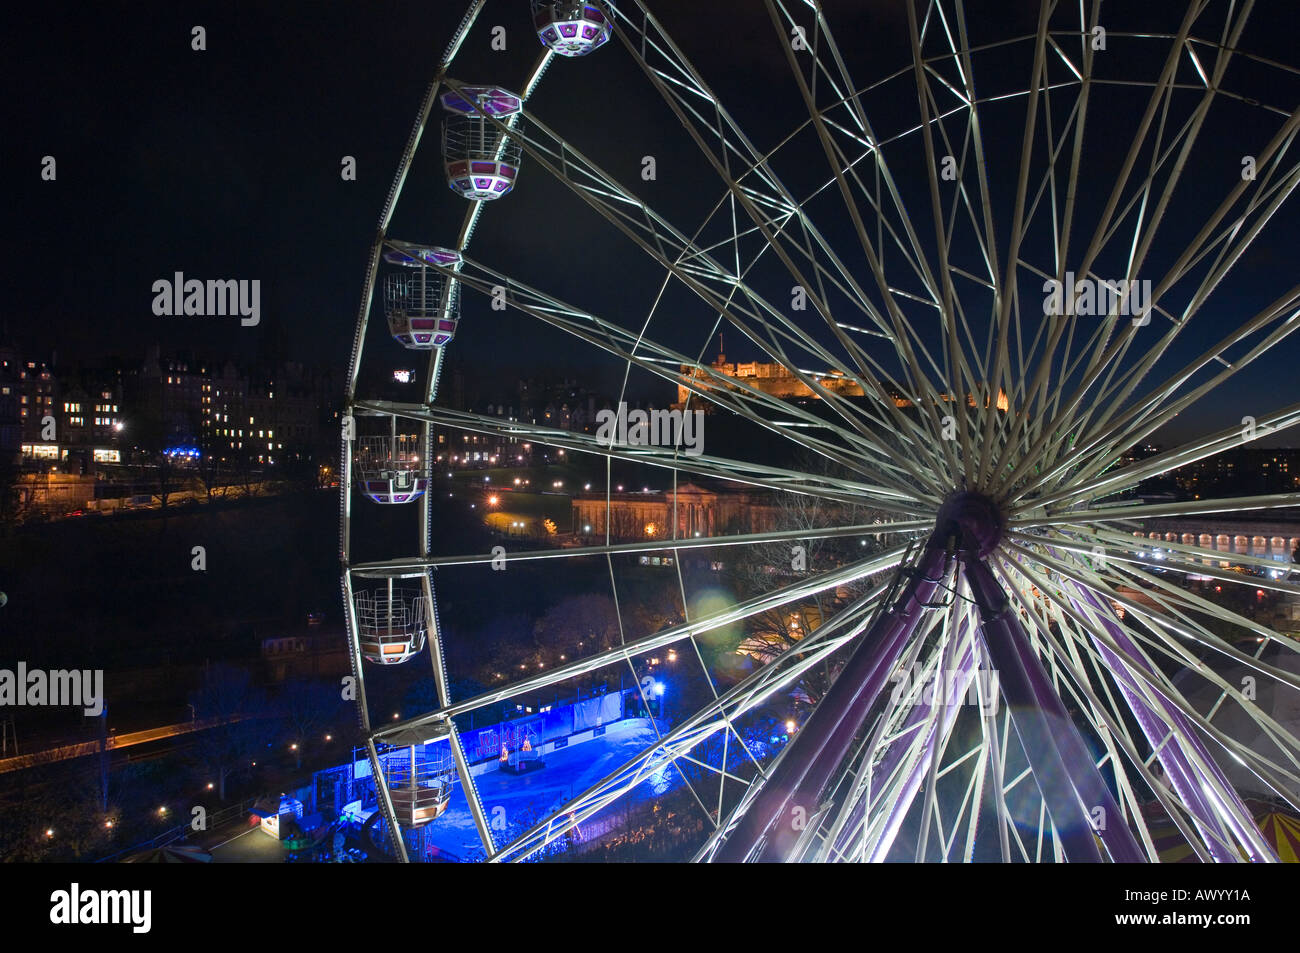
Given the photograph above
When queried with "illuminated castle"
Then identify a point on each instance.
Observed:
(774, 379)
(779, 381)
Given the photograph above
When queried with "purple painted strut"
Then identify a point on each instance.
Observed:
(812, 757)
(1001, 633)
(1207, 809)
(1088, 782)
(966, 669)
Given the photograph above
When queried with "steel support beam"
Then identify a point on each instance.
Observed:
(812, 757)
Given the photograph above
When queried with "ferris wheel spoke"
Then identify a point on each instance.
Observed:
(844, 170)
(1143, 237)
(863, 135)
(820, 582)
(1149, 420)
(998, 361)
(986, 234)
(667, 246)
(905, 339)
(622, 344)
(1017, 393)
(1148, 415)
(727, 470)
(747, 695)
(729, 393)
(1118, 644)
(678, 74)
(1160, 90)
(1126, 555)
(1113, 397)
(1112, 541)
(414, 564)
(958, 377)
(676, 101)
(1104, 715)
(686, 93)
(1020, 430)
(1199, 449)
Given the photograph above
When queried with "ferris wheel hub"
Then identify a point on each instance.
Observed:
(977, 520)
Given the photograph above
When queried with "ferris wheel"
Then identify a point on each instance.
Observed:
(1020, 253)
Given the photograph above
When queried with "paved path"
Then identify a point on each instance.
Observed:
(85, 748)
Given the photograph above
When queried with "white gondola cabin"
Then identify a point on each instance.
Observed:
(421, 303)
(391, 468)
(481, 159)
(391, 623)
(572, 27)
(419, 782)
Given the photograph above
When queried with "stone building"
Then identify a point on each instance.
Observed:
(774, 379)
(698, 512)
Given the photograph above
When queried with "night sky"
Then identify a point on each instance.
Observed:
(226, 164)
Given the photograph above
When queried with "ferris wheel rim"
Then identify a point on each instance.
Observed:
(1027, 507)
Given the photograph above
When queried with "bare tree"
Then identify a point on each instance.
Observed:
(228, 699)
(577, 626)
(306, 708)
(766, 566)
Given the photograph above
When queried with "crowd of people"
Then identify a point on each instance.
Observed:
(657, 836)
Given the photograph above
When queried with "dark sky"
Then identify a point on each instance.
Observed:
(225, 164)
